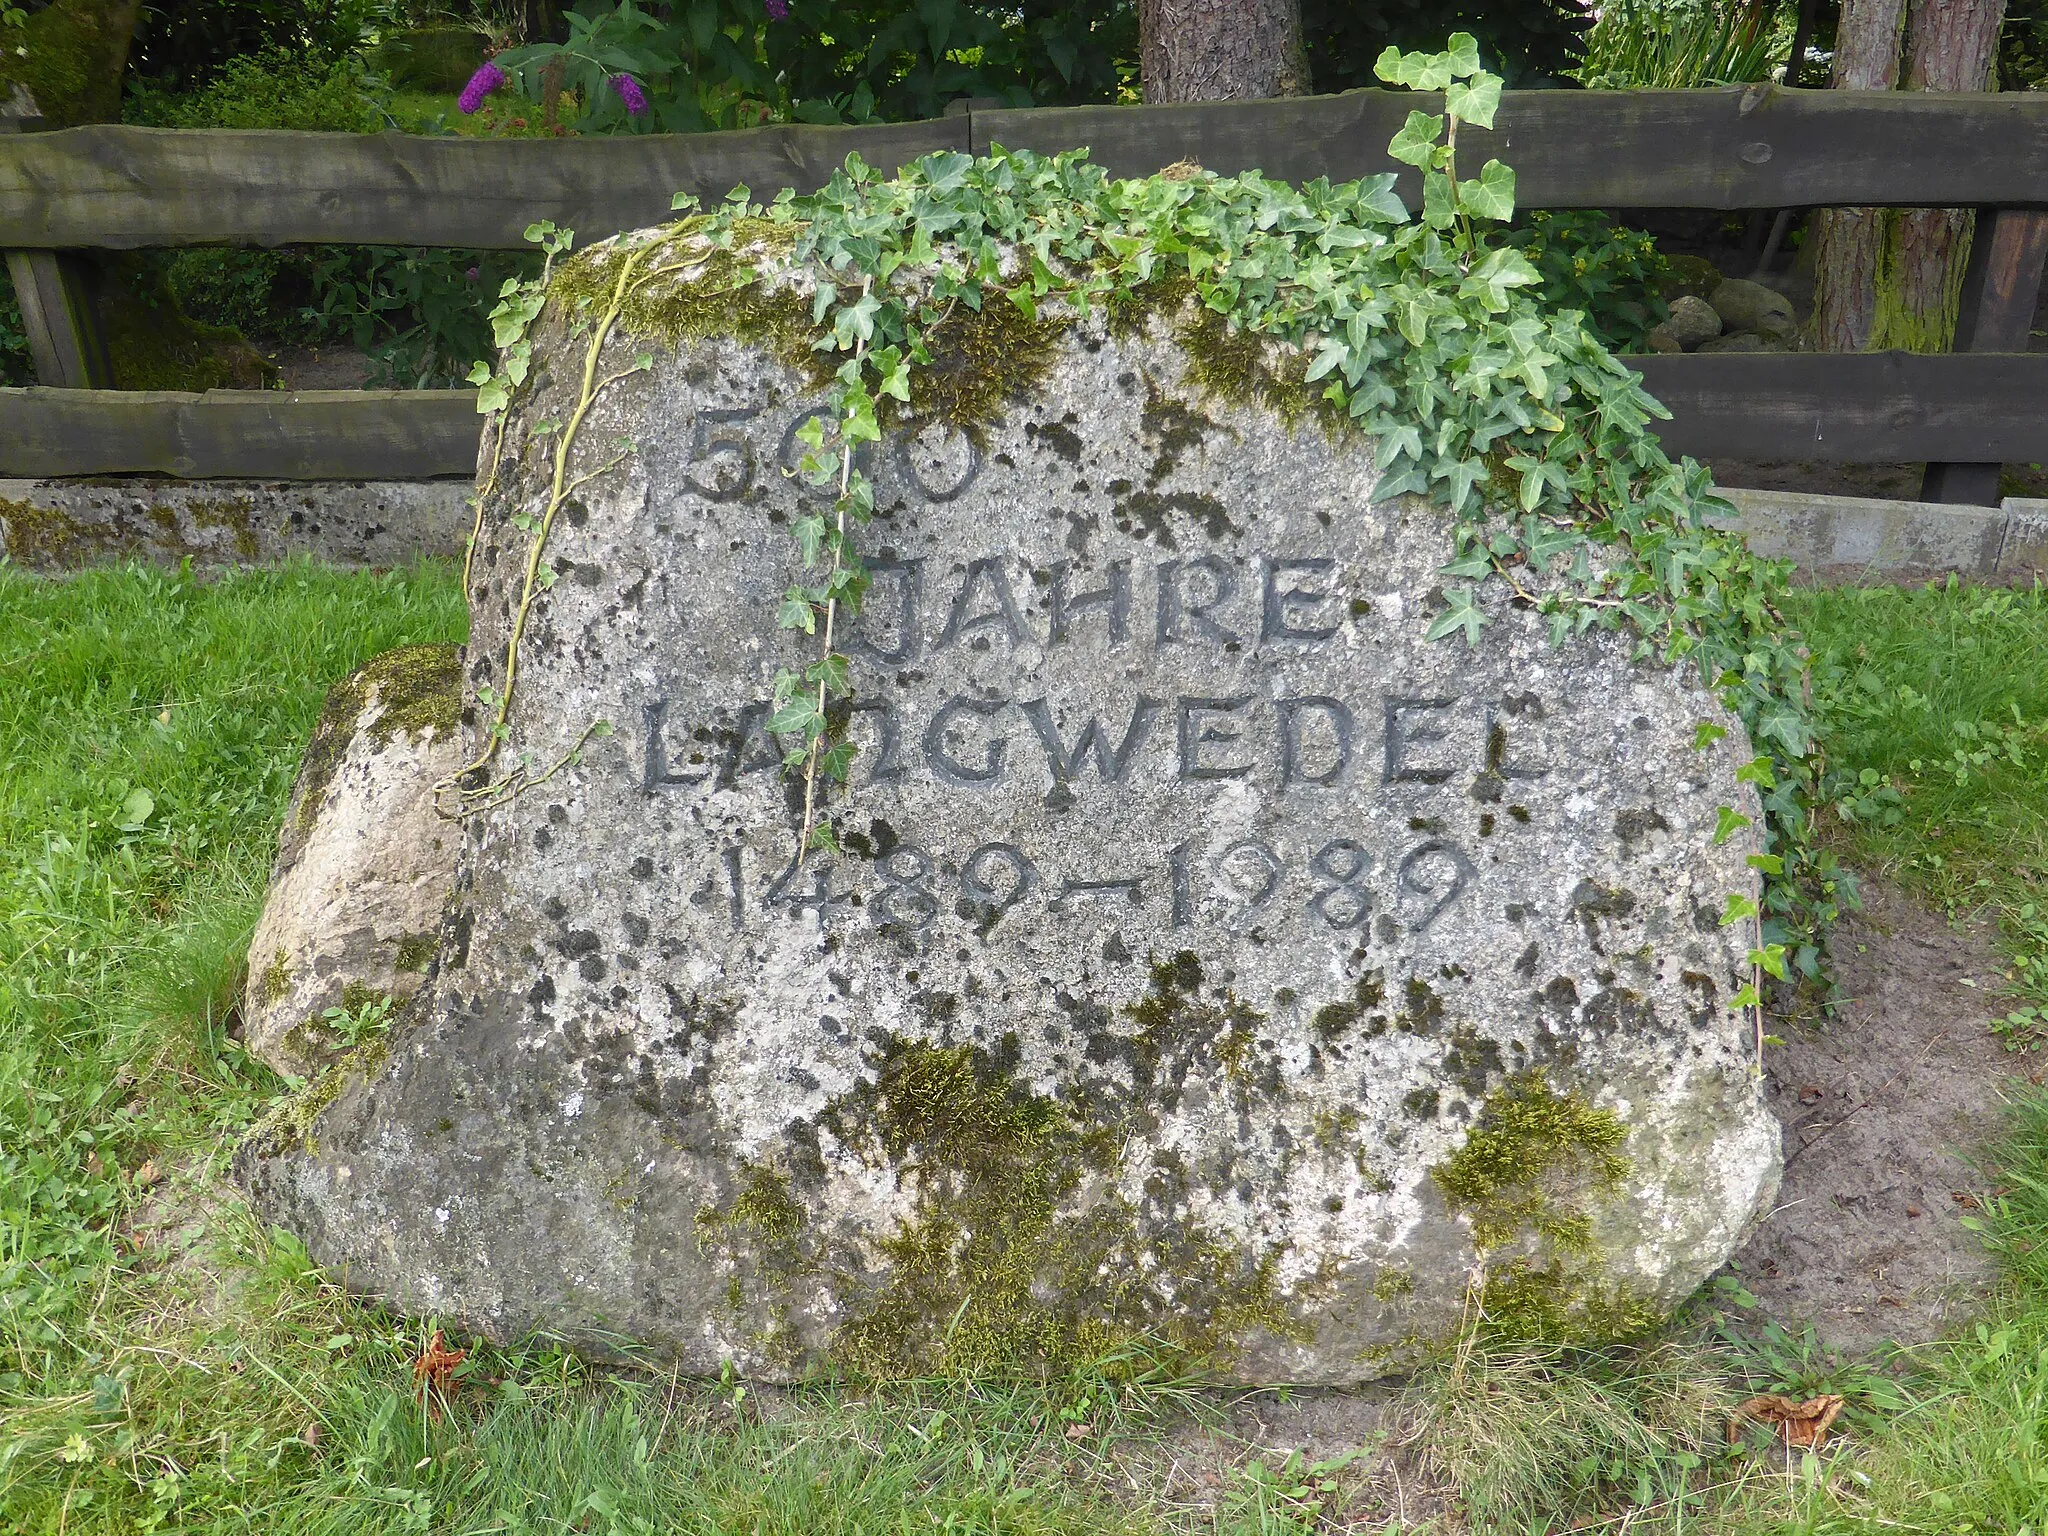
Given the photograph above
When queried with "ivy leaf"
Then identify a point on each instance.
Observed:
(1492, 196)
(1463, 614)
(1474, 103)
(1463, 58)
(1439, 208)
(1417, 71)
(1474, 563)
(1705, 733)
(1416, 143)
(1739, 906)
(1490, 281)
(1727, 822)
(809, 533)
(832, 672)
(1376, 194)
(1757, 771)
(796, 715)
(796, 611)
(835, 762)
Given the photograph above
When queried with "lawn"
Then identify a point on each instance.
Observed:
(167, 1364)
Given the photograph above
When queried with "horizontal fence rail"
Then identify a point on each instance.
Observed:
(239, 434)
(1878, 408)
(1755, 147)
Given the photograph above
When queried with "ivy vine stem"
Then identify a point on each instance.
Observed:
(477, 797)
(817, 745)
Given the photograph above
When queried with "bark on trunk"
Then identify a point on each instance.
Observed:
(75, 54)
(1950, 46)
(1221, 50)
(1849, 242)
(1892, 278)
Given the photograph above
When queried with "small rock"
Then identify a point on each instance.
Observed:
(1746, 306)
(363, 861)
(1693, 320)
(1662, 338)
(1738, 341)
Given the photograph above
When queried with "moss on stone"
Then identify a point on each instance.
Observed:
(713, 293)
(1392, 1283)
(764, 1208)
(1232, 363)
(415, 952)
(277, 978)
(1020, 1255)
(47, 538)
(1533, 1154)
(42, 536)
(417, 688)
(982, 360)
(233, 513)
(291, 1118)
(1559, 1303)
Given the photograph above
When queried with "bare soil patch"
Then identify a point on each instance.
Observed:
(1883, 1107)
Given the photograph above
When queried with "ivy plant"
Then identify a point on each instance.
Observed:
(1426, 332)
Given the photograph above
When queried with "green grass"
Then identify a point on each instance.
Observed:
(168, 1364)
(1934, 703)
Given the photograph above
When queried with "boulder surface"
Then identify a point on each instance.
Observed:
(1209, 959)
(364, 863)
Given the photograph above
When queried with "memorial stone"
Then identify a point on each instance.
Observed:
(1207, 957)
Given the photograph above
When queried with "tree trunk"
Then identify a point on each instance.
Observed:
(1849, 242)
(76, 53)
(1221, 50)
(1892, 278)
(1950, 46)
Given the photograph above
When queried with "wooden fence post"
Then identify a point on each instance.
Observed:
(59, 310)
(2000, 291)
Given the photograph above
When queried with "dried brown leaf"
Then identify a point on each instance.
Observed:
(1801, 1426)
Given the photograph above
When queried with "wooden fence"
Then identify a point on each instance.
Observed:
(1759, 147)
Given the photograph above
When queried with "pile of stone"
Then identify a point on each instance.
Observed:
(1728, 314)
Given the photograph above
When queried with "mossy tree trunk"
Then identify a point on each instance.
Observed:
(76, 52)
(1221, 50)
(1893, 278)
(1850, 241)
(1950, 46)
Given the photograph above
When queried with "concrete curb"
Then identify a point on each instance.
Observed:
(57, 525)
(1857, 540)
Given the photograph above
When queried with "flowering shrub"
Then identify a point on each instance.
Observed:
(481, 84)
(737, 63)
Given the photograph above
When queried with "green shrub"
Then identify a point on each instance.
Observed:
(1587, 262)
(271, 89)
(1678, 45)
(183, 44)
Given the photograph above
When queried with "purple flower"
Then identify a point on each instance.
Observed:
(473, 273)
(481, 84)
(778, 10)
(631, 94)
